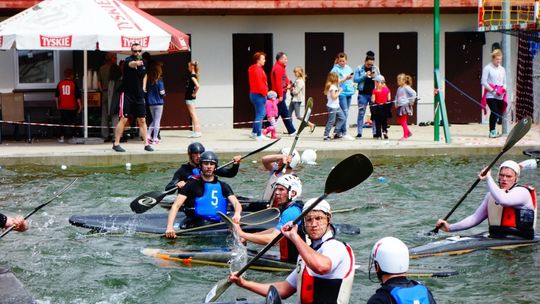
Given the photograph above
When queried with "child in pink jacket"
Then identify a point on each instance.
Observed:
(271, 114)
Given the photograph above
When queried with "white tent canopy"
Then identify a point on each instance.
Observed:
(106, 25)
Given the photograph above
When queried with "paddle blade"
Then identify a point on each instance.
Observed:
(517, 133)
(217, 290)
(146, 201)
(307, 114)
(348, 174)
(272, 297)
(532, 153)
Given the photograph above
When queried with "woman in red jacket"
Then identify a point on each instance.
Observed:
(258, 88)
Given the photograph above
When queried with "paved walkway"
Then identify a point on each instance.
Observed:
(468, 139)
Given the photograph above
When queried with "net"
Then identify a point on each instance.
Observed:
(522, 14)
(528, 76)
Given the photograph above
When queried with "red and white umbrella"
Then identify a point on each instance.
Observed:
(87, 25)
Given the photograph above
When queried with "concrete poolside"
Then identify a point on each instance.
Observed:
(468, 139)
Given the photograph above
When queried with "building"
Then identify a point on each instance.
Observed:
(225, 34)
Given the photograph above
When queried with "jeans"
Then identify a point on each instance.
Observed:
(284, 113)
(332, 113)
(344, 104)
(363, 101)
(258, 102)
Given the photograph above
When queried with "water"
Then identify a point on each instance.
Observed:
(60, 263)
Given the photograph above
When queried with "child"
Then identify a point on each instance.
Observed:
(68, 102)
(405, 97)
(332, 91)
(155, 90)
(271, 114)
(380, 106)
(298, 93)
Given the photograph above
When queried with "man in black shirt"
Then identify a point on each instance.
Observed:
(203, 197)
(191, 169)
(132, 103)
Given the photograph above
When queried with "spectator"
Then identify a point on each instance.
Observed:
(281, 84)
(271, 113)
(68, 102)
(381, 106)
(192, 87)
(115, 82)
(363, 75)
(345, 74)
(332, 92)
(258, 88)
(103, 85)
(298, 95)
(133, 97)
(405, 97)
(155, 91)
(494, 85)
(18, 221)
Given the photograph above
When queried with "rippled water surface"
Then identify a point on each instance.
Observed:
(60, 263)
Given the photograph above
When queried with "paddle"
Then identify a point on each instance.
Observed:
(303, 124)
(532, 153)
(42, 205)
(148, 200)
(347, 174)
(517, 133)
(255, 218)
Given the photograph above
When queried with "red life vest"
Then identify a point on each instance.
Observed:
(66, 91)
(512, 221)
(319, 290)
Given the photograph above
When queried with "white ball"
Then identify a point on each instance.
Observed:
(309, 157)
(63, 167)
(254, 161)
(128, 166)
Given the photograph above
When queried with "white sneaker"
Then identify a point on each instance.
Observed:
(61, 139)
(253, 135)
(262, 137)
(195, 135)
(347, 137)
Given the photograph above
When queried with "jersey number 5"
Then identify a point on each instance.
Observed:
(215, 199)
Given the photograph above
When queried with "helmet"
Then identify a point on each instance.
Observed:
(323, 206)
(512, 165)
(391, 254)
(309, 156)
(209, 156)
(195, 148)
(292, 183)
(295, 157)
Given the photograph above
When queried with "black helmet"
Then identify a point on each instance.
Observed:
(195, 148)
(209, 156)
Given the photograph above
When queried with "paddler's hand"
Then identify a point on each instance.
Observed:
(170, 233)
(236, 218)
(443, 225)
(180, 184)
(238, 280)
(290, 230)
(18, 223)
(236, 159)
(484, 177)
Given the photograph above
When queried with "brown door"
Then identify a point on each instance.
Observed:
(175, 76)
(463, 70)
(244, 46)
(320, 51)
(398, 54)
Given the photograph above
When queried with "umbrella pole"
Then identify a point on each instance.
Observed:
(85, 97)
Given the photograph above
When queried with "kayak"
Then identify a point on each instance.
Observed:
(270, 262)
(156, 224)
(12, 290)
(248, 204)
(464, 244)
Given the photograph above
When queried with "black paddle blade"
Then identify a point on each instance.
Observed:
(146, 201)
(517, 133)
(532, 153)
(348, 174)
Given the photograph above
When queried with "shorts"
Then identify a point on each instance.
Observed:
(190, 101)
(132, 106)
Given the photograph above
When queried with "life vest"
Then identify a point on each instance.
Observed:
(67, 95)
(505, 221)
(211, 202)
(287, 249)
(315, 289)
(417, 294)
(195, 173)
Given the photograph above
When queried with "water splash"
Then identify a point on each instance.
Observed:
(238, 252)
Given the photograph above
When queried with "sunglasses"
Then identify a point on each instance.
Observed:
(136, 51)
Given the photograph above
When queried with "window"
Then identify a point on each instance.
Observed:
(36, 69)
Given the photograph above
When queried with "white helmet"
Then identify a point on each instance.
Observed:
(391, 254)
(309, 156)
(323, 206)
(292, 183)
(512, 165)
(295, 157)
